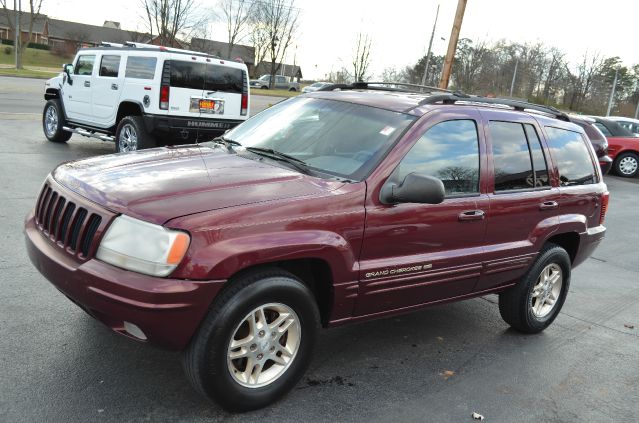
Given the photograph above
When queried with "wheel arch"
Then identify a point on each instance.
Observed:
(128, 108)
(315, 273)
(51, 93)
(569, 241)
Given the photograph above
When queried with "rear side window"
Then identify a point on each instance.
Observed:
(140, 67)
(603, 129)
(572, 156)
(517, 157)
(187, 75)
(224, 78)
(109, 66)
(449, 151)
(84, 65)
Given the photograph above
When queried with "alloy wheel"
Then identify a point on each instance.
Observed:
(128, 140)
(546, 291)
(51, 121)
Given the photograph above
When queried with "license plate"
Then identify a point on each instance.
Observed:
(212, 106)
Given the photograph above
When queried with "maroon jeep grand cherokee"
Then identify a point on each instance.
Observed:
(329, 208)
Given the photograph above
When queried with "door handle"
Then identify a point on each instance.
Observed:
(549, 205)
(114, 86)
(87, 83)
(472, 215)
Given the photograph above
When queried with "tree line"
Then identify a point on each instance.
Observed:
(543, 75)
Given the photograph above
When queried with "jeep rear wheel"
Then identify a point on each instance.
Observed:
(53, 121)
(131, 135)
(532, 304)
(255, 343)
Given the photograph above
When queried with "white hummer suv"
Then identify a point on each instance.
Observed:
(142, 96)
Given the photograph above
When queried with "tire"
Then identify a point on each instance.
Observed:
(207, 363)
(526, 306)
(53, 121)
(627, 164)
(131, 135)
(264, 87)
(292, 89)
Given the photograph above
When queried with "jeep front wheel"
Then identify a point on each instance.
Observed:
(53, 121)
(256, 342)
(131, 135)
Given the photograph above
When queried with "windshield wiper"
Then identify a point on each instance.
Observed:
(226, 142)
(278, 155)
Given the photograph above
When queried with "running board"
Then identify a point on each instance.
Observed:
(86, 133)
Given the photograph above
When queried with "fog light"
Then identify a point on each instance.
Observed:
(134, 330)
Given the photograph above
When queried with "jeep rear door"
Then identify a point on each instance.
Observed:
(413, 253)
(524, 204)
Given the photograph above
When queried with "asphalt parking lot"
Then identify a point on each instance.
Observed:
(436, 365)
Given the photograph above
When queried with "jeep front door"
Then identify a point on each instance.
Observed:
(419, 253)
(77, 90)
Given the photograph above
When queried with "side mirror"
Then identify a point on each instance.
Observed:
(415, 188)
(67, 68)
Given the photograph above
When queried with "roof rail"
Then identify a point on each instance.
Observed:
(384, 86)
(131, 44)
(504, 102)
(110, 44)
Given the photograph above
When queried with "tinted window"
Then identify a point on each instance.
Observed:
(109, 66)
(187, 75)
(223, 78)
(84, 65)
(280, 79)
(140, 67)
(603, 129)
(511, 156)
(448, 151)
(572, 156)
(539, 159)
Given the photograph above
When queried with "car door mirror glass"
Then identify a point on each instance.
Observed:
(415, 188)
(68, 70)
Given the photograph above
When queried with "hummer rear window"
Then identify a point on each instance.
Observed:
(140, 67)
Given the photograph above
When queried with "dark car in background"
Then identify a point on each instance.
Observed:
(623, 147)
(598, 140)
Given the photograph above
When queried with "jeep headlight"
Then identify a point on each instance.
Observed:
(142, 247)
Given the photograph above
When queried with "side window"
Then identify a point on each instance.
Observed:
(109, 66)
(603, 129)
(449, 151)
(511, 156)
(540, 164)
(572, 156)
(187, 75)
(280, 79)
(84, 66)
(140, 67)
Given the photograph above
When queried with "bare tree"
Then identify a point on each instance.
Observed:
(259, 40)
(236, 14)
(34, 13)
(167, 19)
(362, 57)
(275, 23)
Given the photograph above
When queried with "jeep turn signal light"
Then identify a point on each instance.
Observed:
(178, 249)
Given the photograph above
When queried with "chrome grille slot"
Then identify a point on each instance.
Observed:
(47, 215)
(66, 219)
(92, 226)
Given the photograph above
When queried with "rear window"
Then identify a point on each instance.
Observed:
(187, 75)
(140, 67)
(224, 78)
(198, 76)
(572, 156)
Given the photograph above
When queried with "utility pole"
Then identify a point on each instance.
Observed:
(16, 35)
(430, 46)
(612, 93)
(637, 111)
(512, 84)
(452, 44)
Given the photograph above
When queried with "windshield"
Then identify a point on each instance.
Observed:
(332, 137)
(265, 77)
(318, 84)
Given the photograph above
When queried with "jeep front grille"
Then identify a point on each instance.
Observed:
(69, 225)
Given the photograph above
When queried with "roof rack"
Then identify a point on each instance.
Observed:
(384, 86)
(504, 102)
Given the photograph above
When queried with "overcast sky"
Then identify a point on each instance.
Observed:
(400, 29)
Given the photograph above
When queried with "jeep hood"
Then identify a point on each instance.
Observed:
(164, 183)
